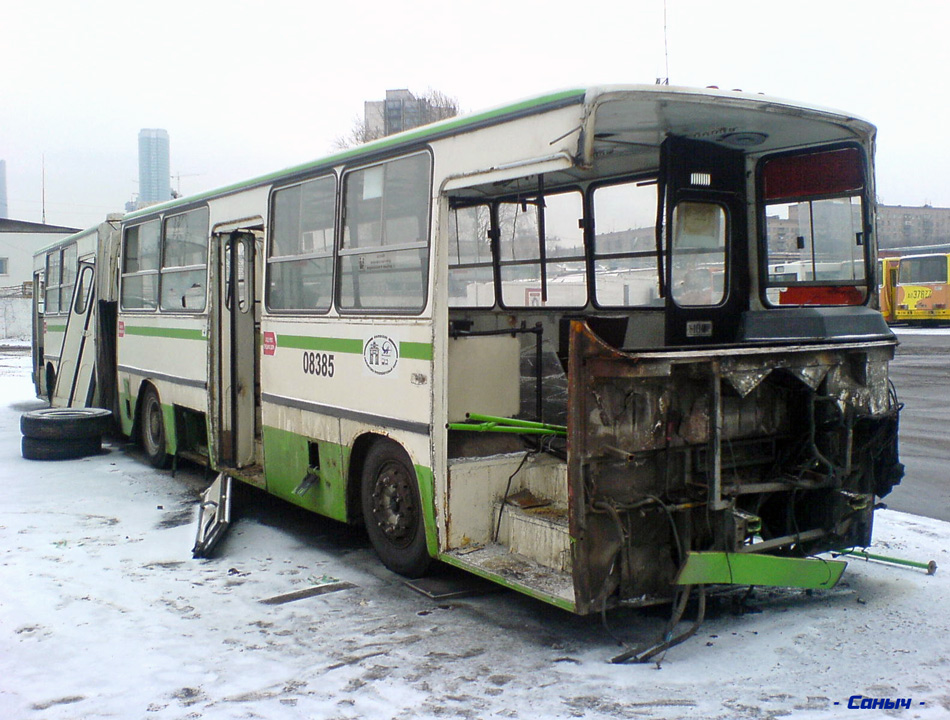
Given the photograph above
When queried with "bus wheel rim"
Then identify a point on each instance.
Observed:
(394, 508)
(153, 419)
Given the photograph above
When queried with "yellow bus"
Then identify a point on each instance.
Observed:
(922, 292)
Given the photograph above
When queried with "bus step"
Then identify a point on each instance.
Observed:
(539, 532)
(515, 571)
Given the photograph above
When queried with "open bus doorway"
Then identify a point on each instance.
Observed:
(235, 369)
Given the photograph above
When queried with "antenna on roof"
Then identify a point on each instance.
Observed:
(43, 164)
(666, 51)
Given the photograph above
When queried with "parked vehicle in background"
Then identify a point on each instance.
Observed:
(922, 292)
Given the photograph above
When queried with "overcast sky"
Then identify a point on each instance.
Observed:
(245, 87)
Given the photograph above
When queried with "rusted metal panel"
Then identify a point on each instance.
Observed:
(772, 450)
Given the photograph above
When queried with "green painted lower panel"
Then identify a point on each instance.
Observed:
(287, 468)
(126, 410)
(427, 498)
(718, 568)
(171, 431)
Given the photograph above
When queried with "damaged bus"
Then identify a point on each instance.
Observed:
(541, 343)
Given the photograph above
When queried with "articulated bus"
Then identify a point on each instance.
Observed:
(922, 293)
(541, 343)
(59, 271)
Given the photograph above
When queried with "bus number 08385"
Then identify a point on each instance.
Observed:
(318, 364)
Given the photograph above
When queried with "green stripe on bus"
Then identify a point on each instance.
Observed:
(324, 344)
(177, 333)
(415, 350)
(407, 350)
(55, 328)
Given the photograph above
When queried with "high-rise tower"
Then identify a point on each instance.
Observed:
(154, 174)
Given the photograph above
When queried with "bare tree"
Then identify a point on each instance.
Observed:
(357, 135)
(443, 106)
(401, 110)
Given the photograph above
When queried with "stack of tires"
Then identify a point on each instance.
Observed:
(63, 433)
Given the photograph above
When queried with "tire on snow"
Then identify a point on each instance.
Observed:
(152, 430)
(65, 423)
(49, 449)
(392, 510)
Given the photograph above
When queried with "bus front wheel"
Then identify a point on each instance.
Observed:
(152, 422)
(392, 510)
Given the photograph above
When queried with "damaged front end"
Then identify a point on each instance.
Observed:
(694, 467)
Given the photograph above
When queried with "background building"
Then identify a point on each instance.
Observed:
(3, 189)
(899, 226)
(154, 173)
(18, 241)
(401, 110)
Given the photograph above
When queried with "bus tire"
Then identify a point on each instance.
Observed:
(152, 429)
(65, 423)
(47, 449)
(392, 510)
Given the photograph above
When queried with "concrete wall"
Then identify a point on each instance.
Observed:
(16, 318)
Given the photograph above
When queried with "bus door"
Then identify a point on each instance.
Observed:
(235, 370)
(75, 381)
(39, 336)
(707, 277)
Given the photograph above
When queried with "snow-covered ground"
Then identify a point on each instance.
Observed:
(104, 614)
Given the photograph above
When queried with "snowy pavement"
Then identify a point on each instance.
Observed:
(104, 614)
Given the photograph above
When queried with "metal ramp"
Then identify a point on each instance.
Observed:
(214, 518)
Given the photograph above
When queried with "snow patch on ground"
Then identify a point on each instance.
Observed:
(104, 614)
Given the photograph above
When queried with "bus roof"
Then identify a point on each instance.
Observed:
(68, 240)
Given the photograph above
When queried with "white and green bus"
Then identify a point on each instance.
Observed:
(66, 294)
(536, 343)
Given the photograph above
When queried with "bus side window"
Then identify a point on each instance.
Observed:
(141, 252)
(184, 261)
(300, 253)
(384, 251)
(625, 256)
(471, 279)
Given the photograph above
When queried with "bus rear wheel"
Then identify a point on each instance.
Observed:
(152, 424)
(392, 510)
